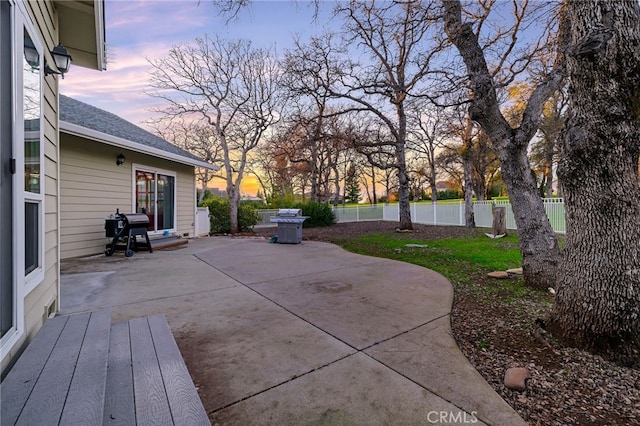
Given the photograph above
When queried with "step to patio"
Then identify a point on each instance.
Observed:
(81, 369)
(168, 242)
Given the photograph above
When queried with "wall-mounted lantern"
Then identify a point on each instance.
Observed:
(62, 60)
(120, 160)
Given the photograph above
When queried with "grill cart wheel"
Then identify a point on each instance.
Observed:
(128, 253)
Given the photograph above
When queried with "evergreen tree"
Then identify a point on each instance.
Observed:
(352, 186)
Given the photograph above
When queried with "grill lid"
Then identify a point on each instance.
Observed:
(284, 219)
(136, 218)
(289, 212)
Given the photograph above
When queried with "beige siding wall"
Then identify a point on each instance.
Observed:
(92, 187)
(186, 200)
(39, 300)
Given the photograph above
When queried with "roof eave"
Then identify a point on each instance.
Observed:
(82, 31)
(80, 131)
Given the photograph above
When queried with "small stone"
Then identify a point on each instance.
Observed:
(498, 274)
(515, 271)
(515, 378)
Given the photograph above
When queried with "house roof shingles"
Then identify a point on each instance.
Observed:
(87, 116)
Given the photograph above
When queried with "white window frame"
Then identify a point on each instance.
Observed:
(24, 284)
(143, 168)
(35, 277)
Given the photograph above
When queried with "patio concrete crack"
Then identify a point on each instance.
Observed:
(359, 265)
(357, 350)
(432, 391)
(282, 383)
(282, 306)
(405, 332)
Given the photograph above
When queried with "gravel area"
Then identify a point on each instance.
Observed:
(497, 331)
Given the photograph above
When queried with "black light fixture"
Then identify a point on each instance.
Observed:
(62, 60)
(120, 160)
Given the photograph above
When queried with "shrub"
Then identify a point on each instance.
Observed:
(248, 216)
(449, 194)
(319, 214)
(219, 215)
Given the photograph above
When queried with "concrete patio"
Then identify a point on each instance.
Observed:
(304, 334)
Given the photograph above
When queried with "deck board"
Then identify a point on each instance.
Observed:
(49, 394)
(82, 370)
(184, 401)
(85, 401)
(152, 407)
(24, 374)
(119, 408)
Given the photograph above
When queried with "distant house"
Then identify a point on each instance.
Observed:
(443, 185)
(108, 163)
(217, 192)
(31, 32)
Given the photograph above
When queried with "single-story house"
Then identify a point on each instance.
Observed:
(36, 39)
(109, 164)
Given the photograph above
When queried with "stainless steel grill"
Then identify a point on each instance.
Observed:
(289, 225)
(124, 229)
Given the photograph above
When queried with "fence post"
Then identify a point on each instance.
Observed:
(435, 212)
(461, 210)
(357, 213)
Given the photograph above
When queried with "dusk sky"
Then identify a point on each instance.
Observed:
(137, 30)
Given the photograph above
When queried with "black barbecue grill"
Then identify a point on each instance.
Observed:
(124, 229)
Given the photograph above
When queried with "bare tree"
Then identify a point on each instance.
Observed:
(429, 124)
(538, 243)
(545, 152)
(311, 70)
(399, 40)
(460, 127)
(597, 302)
(232, 87)
(197, 138)
(449, 162)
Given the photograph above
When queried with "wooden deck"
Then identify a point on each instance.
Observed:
(81, 370)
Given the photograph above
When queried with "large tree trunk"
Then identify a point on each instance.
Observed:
(373, 181)
(336, 185)
(537, 241)
(598, 300)
(536, 238)
(404, 187)
(548, 190)
(234, 201)
(469, 216)
(403, 190)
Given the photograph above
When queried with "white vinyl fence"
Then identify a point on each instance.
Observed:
(443, 213)
(453, 213)
(202, 224)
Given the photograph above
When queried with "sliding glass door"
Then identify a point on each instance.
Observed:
(6, 174)
(155, 197)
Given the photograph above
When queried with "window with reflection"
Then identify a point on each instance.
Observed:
(155, 197)
(32, 113)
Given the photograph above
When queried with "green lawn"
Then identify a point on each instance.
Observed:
(464, 261)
